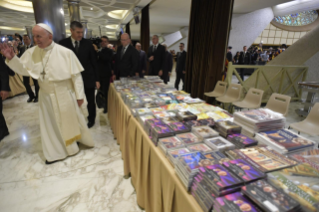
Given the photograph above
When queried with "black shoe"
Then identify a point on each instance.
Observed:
(30, 99)
(4, 135)
(48, 163)
(36, 100)
(90, 124)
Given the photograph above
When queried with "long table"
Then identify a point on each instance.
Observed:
(158, 188)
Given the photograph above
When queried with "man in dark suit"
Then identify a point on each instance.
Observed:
(127, 57)
(168, 63)
(104, 62)
(86, 54)
(26, 80)
(180, 66)
(229, 55)
(156, 56)
(244, 59)
(143, 60)
(4, 91)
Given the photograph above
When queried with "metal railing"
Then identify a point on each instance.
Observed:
(271, 79)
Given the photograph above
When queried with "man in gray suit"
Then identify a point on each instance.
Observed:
(143, 60)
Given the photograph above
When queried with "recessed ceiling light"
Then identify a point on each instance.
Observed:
(117, 14)
(112, 26)
(66, 24)
(91, 8)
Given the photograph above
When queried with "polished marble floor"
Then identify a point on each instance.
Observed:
(91, 181)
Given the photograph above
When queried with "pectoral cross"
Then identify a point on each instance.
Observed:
(43, 74)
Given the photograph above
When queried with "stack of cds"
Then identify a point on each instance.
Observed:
(189, 138)
(153, 79)
(300, 183)
(259, 120)
(149, 124)
(135, 103)
(160, 131)
(242, 141)
(219, 115)
(178, 127)
(270, 198)
(204, 132)
(190, 100)
(203, 148)
(140, 111)
(186, 116)
(217, 156)
(285, 141)
(170, 143)
(203, 122)
(310, 156)
(219, 144)
(265, 158)
(143, 118)
(235, 202)
(244, 170)
(226, 128)
(175, 153)
(168, 98)
(187, 166)
(170, 119)
(217, 180)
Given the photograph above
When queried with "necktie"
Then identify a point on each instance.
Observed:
(154, 48)
(76, 46)
(122, 52)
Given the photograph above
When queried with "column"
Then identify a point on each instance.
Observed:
(145, 29)
(29, 33)
(89, 33)
(100, 31)
(74, 10)
(209, 29)
(51, 13)
(85, 28)
(128, 28)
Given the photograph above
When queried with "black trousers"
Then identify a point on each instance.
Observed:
(90, 97)
(242, 73)
(26, 82)
(105, 84)
(3, 126)
(179, 76)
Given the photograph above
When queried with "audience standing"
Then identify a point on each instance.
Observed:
(84, 51)
(180, 66)
(229, 55)
(156, 57)
(142, 65)
(168, 63)
(244, 59)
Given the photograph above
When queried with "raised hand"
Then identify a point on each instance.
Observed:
(7, 51)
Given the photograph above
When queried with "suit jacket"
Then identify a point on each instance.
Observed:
(142, 62)
(244, 59)
(168, 63)
(104, 62)
(23, 49)
(159, 59)
(87, 57)
(181, 61)
(128, 64)
(4, 76)
(229, 56)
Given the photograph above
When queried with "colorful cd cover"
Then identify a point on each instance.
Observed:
(302, 188)
(227, 125)
(161, 129)
(199, 147)
(176, 152)
(188, 138)
(171, 142)
(217, 156)
(269, 197)
(240, 138)
(261, 115)
(204, 131)
(244, 170)
(220, 177)
(235, 202)
(178, 127)
(193, 160)
(186, 115)
(287, 139)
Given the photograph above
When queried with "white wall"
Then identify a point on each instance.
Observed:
(246, 28)
(176, 45)
(313, 71)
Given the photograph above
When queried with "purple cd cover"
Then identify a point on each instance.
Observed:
(162, 129)
(194, 160)
(220, 176)
(178, 126)
(236, 202)
(242, 139)
(244, 170)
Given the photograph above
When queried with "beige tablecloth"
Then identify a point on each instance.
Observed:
(157, 186)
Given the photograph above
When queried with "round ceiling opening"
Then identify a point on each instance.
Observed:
(298, 19)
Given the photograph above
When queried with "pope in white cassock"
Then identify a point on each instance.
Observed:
(61, 97)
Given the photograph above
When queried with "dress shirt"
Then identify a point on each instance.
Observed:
(73, 42)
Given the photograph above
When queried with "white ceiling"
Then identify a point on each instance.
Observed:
(166, 16)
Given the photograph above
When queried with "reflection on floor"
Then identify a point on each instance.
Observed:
(92, 180)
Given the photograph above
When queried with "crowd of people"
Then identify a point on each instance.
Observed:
(80, 66)
(255, 55)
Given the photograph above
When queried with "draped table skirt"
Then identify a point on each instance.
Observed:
(157, 186)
